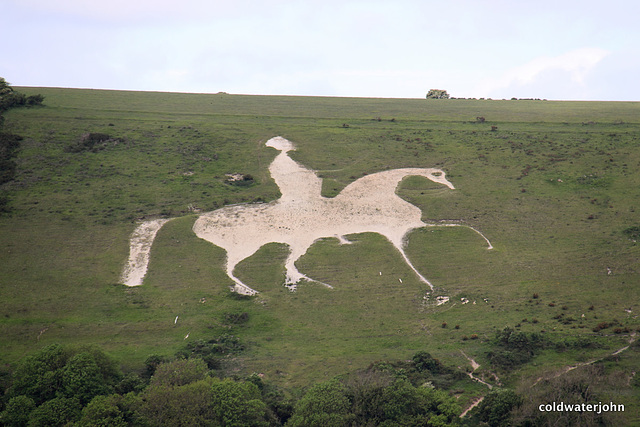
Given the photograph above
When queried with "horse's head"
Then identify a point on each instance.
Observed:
(279, 143)
(437, 175)
(432, 174)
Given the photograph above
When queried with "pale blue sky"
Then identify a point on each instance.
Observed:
(577, 50)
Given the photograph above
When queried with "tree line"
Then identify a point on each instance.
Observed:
(84, 387)
(9, 143)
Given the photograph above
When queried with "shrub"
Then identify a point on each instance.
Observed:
(237, 404)
(323, 405)
(17, 411)
(236, 318)
(211, 351)
(240, 180)
(423, 361)
(35, 100)
(151, 363)
(81, 378)
(9, 144)
(514, 348)
(495, 409)
(633, 233)
(92, 142)
(60, 411)
(437, 94)
(179, 373)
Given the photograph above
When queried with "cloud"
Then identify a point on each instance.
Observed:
(144, 12)
(616, 77)
(546, 76)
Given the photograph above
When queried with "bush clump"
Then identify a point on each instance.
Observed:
(92, 142)
(514, 348)
(213, 350)
(633, 233)
(9, 144)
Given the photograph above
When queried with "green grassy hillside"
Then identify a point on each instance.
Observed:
(554, 187)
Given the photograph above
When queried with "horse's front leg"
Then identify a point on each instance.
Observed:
(293, 276)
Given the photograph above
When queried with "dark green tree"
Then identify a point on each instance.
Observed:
(437, 94)
(423, 361)
(5, 87)
(9, 144)
(495, 409)
(185, 405)
(325, 404)
(151, 364)
(237, 404)
(366, 389)
(179, 372)
(82, 379)
(40, 376)
(404, 404)
(57, 371)
(9, 98)
(16, 414)
(60, 411)
(108, 411)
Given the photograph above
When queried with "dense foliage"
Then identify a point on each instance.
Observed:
(62, 386)
(9, 98)
(9, 143)
(437, 94)
(513, 348)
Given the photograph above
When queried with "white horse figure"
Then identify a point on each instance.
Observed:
(300, 217)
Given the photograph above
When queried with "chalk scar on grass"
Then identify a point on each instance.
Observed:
(139, 250)
(300, 217)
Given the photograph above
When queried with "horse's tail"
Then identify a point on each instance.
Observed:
(489, 245)
(140, 244)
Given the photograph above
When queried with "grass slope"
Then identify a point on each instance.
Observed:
(553, 187)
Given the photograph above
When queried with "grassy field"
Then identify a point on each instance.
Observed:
(554, 187)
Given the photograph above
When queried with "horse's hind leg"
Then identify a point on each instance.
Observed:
(234, 257)
(406, 259)
(140, 244)
(239, 287)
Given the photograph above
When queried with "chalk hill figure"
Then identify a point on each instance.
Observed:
(300, 217)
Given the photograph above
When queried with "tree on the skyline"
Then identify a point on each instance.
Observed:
(437, 94)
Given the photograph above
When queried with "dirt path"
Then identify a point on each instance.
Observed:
(566, 369)
(473, 405)
(475, 365)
